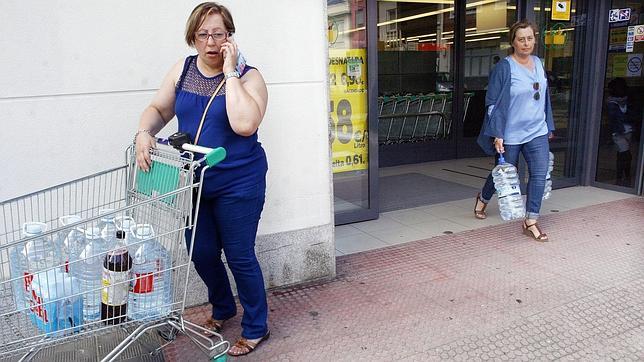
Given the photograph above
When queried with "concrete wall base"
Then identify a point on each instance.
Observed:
(286, 258)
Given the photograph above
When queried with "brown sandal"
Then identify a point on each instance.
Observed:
(213, 325)
(247, 346)
(479, 214)
(526, 230)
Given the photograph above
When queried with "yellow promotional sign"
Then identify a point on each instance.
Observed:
(348, 109)
(560, 10)
(619, 64)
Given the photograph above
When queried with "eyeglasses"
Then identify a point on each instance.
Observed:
(536, 95)
(203, 37)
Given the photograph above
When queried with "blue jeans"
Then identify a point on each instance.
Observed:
(535, 153)
(229, 222)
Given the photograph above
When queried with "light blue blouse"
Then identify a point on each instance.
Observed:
(526, 116)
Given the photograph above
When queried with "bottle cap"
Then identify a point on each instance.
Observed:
(104, 217)
(69, 219)
(93, 232)
(143, 230)
(34, 228)
(120, 234)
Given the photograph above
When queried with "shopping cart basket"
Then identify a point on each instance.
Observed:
(53, 241)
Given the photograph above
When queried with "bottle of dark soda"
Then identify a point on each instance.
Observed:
(117, 268)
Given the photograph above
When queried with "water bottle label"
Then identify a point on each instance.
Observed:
(115, 287)
(37, 307)
(507, 190)
(28, 278)
(143, 283)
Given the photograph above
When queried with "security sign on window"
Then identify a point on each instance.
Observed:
(617, 15)
(560, 10)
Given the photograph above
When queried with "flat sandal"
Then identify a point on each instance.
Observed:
(479, 214)
(542, 237)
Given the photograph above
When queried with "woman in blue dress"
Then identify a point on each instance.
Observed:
(519, 120)
(233, 191)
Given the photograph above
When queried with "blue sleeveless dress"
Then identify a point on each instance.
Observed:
(245, 164)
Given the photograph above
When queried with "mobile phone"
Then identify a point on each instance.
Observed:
(241, 62)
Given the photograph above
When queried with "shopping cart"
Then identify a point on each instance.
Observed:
(48, 294)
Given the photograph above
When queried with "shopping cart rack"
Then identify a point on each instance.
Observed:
(102, 252)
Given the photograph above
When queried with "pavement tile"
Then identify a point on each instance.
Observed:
(476, 295)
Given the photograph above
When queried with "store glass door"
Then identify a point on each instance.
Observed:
(415, 81)
(620, 149)
(355, 169)
(487, 24)
(561, 46)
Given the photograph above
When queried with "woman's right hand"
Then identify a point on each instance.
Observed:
(498, 145)
(144, 143)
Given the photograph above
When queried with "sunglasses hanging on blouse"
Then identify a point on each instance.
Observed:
(535, 86)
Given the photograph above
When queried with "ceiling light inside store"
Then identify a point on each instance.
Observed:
(445, 2)
(431, 13)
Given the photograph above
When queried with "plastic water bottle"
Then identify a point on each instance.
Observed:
(506, 182)
(125, 223)
(72, 241)
(88, 270)
(34, 256)
(547, 191)
(108, 227)
(150, 294)
(56, 307)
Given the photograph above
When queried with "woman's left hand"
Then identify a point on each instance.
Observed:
(229, 51)
(551, 136)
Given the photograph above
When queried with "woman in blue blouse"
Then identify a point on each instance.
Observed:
(233, 191)
(519, 120)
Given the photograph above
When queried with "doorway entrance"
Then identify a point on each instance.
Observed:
(620, 150)
(427, 147)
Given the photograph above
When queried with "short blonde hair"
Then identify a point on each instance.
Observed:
(523, 24)
(199, 14)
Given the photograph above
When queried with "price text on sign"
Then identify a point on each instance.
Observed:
(348, 109)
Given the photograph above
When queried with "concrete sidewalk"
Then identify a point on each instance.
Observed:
(484, 294)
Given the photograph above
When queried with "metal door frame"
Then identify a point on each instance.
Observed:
(371, 212)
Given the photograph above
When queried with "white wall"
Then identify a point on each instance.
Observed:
(76, 75)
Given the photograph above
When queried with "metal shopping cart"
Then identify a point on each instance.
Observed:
(52, 241)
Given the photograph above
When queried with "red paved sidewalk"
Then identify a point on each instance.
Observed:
(490, 293)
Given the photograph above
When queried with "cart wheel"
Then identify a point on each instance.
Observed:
(168, 333)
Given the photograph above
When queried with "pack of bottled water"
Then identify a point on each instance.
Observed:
(56, 305)
(506, 182)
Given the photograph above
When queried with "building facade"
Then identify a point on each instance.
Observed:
(357, 88)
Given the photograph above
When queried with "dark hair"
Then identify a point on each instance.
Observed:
(199, 14)
(618, 87)
(523, 24)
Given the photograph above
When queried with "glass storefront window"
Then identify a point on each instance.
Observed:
(619, 149)
(346, 30)
(415, 73)
(486, 32)
(560, 47)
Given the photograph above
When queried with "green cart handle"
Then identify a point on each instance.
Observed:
(181, 141)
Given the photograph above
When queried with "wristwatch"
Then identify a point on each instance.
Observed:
(234, 74)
